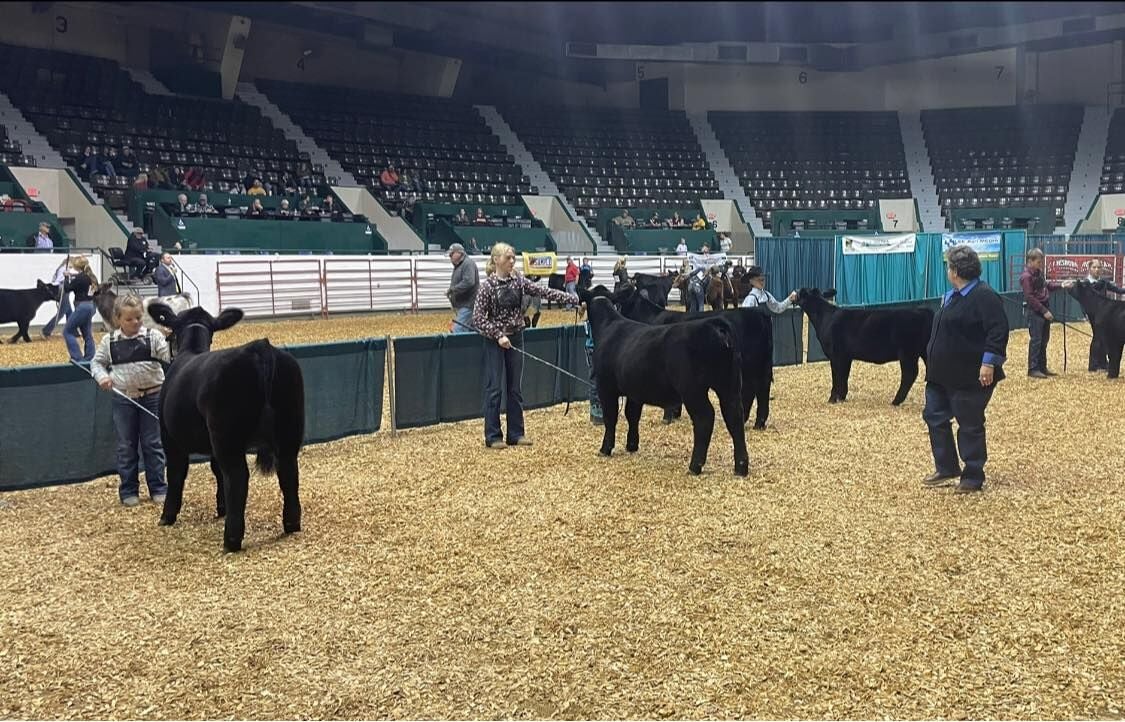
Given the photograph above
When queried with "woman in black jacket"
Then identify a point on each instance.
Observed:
(964, 362)
(81, 321)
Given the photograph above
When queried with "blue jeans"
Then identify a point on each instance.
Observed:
(503, 368)
(942, 406)
(80, 321)
(571, 288)
(66, 312)
(134, 427)
(464, 319)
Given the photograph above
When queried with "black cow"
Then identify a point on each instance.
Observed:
(22, 305)
(224, 403)
(877, 337)
(664, 365)
(654, 288)
(754, 329)
(1107, 319)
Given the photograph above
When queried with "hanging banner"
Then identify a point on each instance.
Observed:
(867, 245)
(698, 260)
(538, 264)
(987, 245)
(1062, 268)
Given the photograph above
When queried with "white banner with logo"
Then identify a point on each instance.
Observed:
(987, 245)
(867, 245)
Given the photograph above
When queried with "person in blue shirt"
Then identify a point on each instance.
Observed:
(964, 362)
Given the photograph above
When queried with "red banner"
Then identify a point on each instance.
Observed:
(1061, 268)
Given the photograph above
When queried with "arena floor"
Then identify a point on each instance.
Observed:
(437, 579)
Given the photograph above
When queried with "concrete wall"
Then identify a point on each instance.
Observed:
(1075, 75)
(87, 224)
(397, 232)
(568, 234)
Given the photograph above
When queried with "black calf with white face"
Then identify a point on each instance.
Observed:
(193, 330)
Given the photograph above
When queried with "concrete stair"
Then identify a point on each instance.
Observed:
(148, 81)
(535, 173)
(335, 173)
(724, 173)
(919, 171)
(1086, 175)
(31, 142)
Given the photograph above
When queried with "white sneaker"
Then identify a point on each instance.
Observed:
(131, 501)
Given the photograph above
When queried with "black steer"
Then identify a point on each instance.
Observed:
(654, 288)
(22, 305)
(877, 337)
(1107, 318)
(223, 404)
(664, 365)
(753, 329)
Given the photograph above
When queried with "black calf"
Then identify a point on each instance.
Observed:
(223, 404)
(22, 305)
(1107, 318)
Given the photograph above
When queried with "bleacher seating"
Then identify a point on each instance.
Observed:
(1113, 164)
(10, 151)
(617, 158)
(814, 161)
(446, 145)
(1004, 157)
(78, 101)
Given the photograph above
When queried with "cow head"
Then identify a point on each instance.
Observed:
(805, 295)
(193, 329)
(48, 291)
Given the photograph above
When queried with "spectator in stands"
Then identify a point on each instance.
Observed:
(203, 206)
(255, 210)
(389, 178)
(656, 221)
(462, 292)
(288, 184)
(257, 189)
(497, 316)
(725, 243)
(176, 177)
(62, 274)
(90, 162)
(462, 218)
(82, 284)
(309, 208)
(140, 183)
(699, 224)
(1036, 294)
(1101, 285)
(160, 179)
(127, 163)
(329, 208)
(473, 247)
(406, 181)
(43, 239)
(165, 277)
(183, 208)
(9, 204)
(283, 211)
(408, 207)
(195, 179)
(965, 357)
(570, 278)
(678, 222)
(481, 219)
(137, 254)
(109, 163)
(681, 247)
(252, 176)
(625, 220)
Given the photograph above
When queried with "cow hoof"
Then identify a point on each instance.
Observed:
(166, 522)
(220, 514)
(695, 469)
(632, 449)
(667, 420)
(897, 402)
(742, 468)
(232, 547)
(605, 452)
(832, 399)
(291, 528)
(760, 426)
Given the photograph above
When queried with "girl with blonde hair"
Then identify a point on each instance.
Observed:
(498, 316)
(83, 283)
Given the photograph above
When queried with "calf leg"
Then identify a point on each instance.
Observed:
(287, 477)
(909, 367)
(735, 421)
(609, 419)
(702, 425)
(1115, 350)
(845, 372)
(673, 412)
(762, 388)
(220, 493)
(236, 482)
(834, 395)
(176, 469)
(633, 417)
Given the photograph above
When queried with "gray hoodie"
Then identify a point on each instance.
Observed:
(463, 284)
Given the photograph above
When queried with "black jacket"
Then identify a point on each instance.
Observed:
(968, 331)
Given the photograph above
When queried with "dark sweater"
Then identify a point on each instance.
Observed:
(80, 284)
(969, 330)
